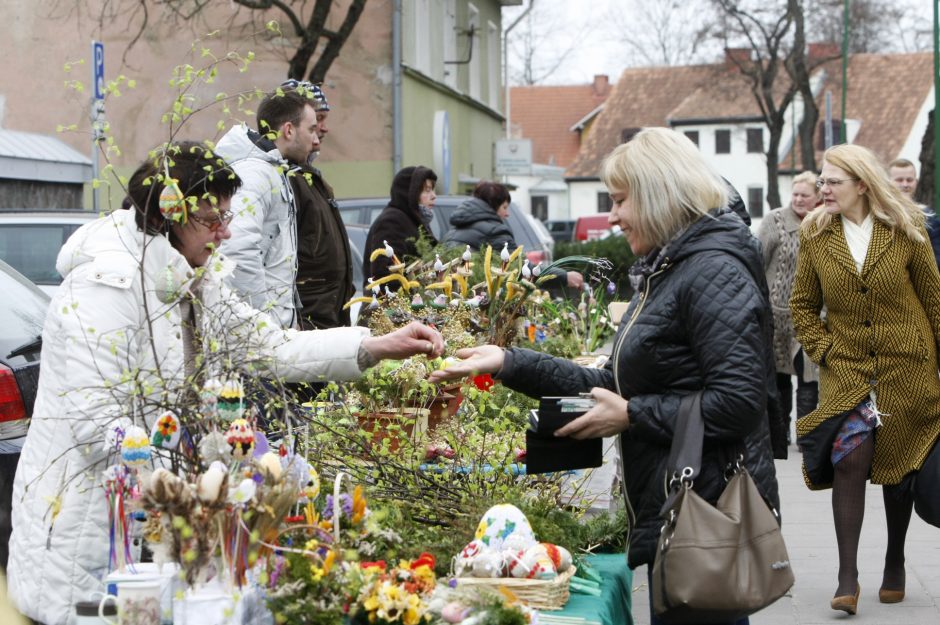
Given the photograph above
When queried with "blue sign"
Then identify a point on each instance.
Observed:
(97, 49)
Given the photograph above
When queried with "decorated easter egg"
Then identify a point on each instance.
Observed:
(488, 564)
(454, 613)
(166, 431)
(240, 438)
(500, 522)
(540, 565)
(172, 200)
(135, 448)
(559, 556)
(231, 402)
(209, 397)
(516, 566)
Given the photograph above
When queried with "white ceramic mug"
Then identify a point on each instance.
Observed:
(206, 607)
(147, 571)
(138, 603)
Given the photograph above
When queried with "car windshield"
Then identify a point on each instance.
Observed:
(32, 249)
(22, 312)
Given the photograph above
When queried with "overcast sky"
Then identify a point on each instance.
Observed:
(588, 37)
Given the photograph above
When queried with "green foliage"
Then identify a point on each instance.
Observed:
(614, 249)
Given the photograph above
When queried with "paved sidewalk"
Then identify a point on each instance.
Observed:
(811, 542)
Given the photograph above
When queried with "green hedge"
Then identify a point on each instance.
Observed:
(614, 249)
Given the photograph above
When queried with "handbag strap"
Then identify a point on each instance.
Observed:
(685, 454)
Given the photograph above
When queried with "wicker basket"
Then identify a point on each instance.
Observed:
(540, 594)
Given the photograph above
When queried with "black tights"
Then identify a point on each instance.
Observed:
(848, 510)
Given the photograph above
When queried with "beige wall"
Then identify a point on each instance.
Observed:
(40, 37)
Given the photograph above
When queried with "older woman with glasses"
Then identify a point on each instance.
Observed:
(780, 240)
(143, 316)
(865, 258)
(700, 323)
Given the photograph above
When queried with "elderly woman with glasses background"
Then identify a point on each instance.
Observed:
(865, 258)
(142, 317)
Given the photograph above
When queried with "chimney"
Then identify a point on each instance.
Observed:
(736, 57)
(820, 51)
(601, 85)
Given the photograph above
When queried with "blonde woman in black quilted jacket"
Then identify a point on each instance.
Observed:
(700, 321)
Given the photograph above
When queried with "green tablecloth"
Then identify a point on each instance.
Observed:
(611, 608)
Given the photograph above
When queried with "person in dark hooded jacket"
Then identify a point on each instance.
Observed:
(406, 218)
(481, 219)
(700, 322)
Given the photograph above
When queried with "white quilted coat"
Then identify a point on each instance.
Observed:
(116, 320)
(264, 230)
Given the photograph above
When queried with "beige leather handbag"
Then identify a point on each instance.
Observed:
(715, 563)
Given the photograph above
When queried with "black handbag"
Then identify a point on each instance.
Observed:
(714, 563)
(927, 488)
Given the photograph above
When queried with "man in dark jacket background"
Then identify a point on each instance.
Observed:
(324, 262)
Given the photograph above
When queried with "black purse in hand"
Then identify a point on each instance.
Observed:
(714, 563)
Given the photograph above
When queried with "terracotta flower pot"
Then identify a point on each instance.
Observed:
(399, 426)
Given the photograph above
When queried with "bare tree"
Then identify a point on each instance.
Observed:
(543, 42)
(670, 33)
(874, 25)
(926, 188)
(767, 31)
(800, 69)
(315, 45)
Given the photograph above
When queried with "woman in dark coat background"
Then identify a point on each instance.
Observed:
(481, 220)
(700, 322)
(406, 218)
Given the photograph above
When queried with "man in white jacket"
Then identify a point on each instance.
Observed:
(264, 228)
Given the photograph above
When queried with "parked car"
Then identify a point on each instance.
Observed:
(357, 234)
(561, 229)
(590, 227)
(22, 312)
(30, 241)
(536, 241)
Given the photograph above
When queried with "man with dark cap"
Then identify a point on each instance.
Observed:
(324, 262)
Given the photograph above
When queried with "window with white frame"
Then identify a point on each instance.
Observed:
(492, 64)
(473, 40)
(422, 35)
(450, 43)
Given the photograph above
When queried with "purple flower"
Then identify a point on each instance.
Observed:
(611, 288)
(345, 503)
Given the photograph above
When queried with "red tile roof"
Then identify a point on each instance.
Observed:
(642, 97)
(886, 93)
(546, 114)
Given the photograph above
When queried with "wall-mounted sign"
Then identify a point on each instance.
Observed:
(514, 157)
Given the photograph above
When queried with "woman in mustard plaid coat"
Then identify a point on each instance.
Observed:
(865, 257)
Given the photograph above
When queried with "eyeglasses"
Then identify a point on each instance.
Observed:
(214, 224)
(832, 182)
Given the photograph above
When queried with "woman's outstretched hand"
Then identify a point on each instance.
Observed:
(473, 361)
(608, 417)
(414, 338)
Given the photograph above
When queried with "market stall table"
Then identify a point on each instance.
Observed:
(611, 608)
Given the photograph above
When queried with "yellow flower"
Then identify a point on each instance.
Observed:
(328, 561)
(414, 610)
